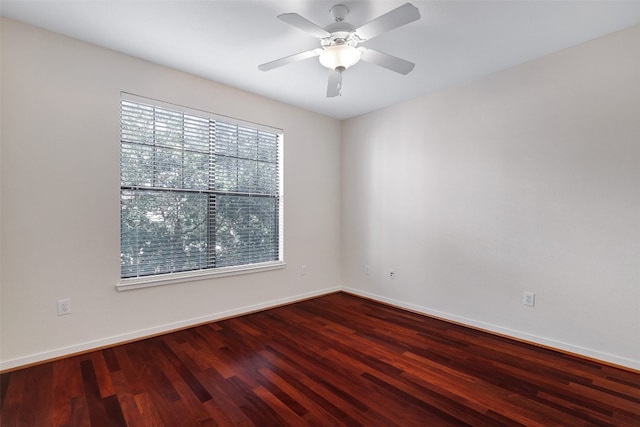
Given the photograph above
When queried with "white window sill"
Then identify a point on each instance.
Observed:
(189, 276)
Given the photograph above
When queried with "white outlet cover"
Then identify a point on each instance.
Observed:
(529, 299)
(64, 307)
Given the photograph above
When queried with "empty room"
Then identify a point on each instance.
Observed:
(324, 213)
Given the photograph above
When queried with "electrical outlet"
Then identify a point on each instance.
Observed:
(392, 274)
(529, 299)
(367, 269)
(64, 306)
(303, 270)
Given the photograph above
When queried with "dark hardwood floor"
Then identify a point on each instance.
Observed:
(336, 360)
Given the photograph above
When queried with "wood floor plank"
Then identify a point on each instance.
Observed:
(102, 373)
(113, 409)
(97, 412)
(222, 402)
(315, 414)
(336, 360)
(111, 360)
(187, 375)
(66, 385)
(79, 412)
(315, 393)
(146, 409)
(13, 403)
(126, 399)
(4, 384)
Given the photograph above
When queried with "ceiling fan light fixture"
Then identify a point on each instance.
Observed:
(339, 43)
(339, 56)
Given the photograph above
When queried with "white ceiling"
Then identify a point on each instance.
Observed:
(454, 41)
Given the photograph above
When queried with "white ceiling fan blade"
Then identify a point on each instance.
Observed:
(334, 88)
(387, 61)
(289, 59)
(303, 24)
(396, 18)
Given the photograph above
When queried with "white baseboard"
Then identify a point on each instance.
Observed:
(144, 333)
(562, 346)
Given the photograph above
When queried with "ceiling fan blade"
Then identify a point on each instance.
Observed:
(303, 24)
(387, 61)
(289, 59)
(334, 88)
(396, 18)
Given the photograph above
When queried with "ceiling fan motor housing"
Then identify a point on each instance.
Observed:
(342, 33)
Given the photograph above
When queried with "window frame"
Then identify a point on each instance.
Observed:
(212, 272)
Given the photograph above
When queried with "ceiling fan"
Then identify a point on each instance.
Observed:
(339, 41)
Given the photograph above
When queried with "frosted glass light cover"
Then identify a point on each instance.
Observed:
(339, 56)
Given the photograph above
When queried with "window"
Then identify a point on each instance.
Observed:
(197, 192)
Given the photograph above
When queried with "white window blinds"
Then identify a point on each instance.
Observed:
(197, 192)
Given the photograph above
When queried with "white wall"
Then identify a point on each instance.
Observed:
(60, 199)
(526, 180)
